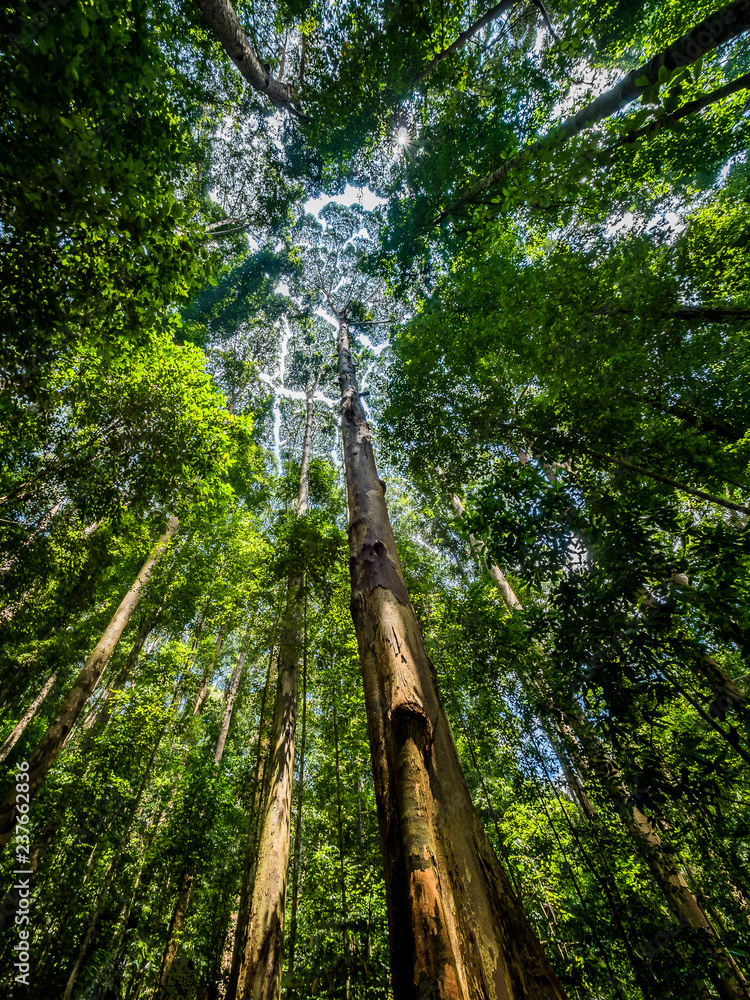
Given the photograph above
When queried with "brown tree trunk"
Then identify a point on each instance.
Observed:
(229, 708)
(103, 896)
(54, 739)
(175, 926)
(298, 822)
(97, 718)
(588, 752)
(29, 714)
(262, 963)
(260, 973)
(457, 929)
(203, 693)
(340, 822)
(248, 866)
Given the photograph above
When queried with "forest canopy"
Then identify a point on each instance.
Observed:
(374, 488)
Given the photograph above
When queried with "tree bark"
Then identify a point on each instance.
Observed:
(29, 714)
(574, 732)
(203, 693)
(231, 698)
(589, 754)
(492, 15)
(457, 929)
(726, 24)
(223, 22)
(480, 551)
(175, 926)
(260, 974)
(248, 866)
(298, 822)
(262, 963)
(54, 739)
(103, 896)
(340, 822)
(97, 718)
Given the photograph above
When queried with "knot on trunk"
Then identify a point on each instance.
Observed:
(372, 566)
(411, 722)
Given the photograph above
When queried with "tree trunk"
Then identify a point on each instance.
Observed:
(588, 752)
(29, 714)
(262, 963)
(492, 15)
(456, 928)
(260, 973)
(54, 739)
(203, 693)
(103, 896)
(231, 698)
(480, 551)
(175, 926)
(98, 719)
(298, 822)
(248, 866)
(340, 822)
(222, 20)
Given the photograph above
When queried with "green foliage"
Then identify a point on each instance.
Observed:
(568, 360)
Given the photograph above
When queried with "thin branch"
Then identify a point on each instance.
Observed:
(492, 15)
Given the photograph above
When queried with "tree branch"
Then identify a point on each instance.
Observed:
(721, 27)
(492, 15)
(223, 22)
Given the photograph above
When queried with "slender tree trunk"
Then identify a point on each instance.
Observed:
(457, 929)
(731, 984)
(480, 551)
(127, 908)
(492, 15)
(342, 872)
(262, 963)
(572, 777)
(588, 752)
(29, 714)
(41, 526)
(103, 896)
(298, 822)
(340, 822)
(248, 865)
(231, 698)
(98, 719)
(54, 739)
(176, 924)
(203, 693)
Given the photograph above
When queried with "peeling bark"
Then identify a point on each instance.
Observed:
(457, 929)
